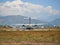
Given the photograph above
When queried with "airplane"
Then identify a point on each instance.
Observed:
(28, 26)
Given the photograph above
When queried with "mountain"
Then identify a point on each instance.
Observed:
(55, 22)
(16, 19)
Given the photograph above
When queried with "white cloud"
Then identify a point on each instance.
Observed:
(18, 7)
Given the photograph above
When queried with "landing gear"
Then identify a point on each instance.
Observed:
(29, 28)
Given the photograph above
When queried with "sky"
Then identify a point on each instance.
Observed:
(46, 10)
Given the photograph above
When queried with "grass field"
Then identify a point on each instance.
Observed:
(29, 37)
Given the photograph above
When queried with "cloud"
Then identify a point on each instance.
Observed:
(18, 7)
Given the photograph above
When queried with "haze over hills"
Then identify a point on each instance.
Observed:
(7, 20)
(55, 22)
(18, 19)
